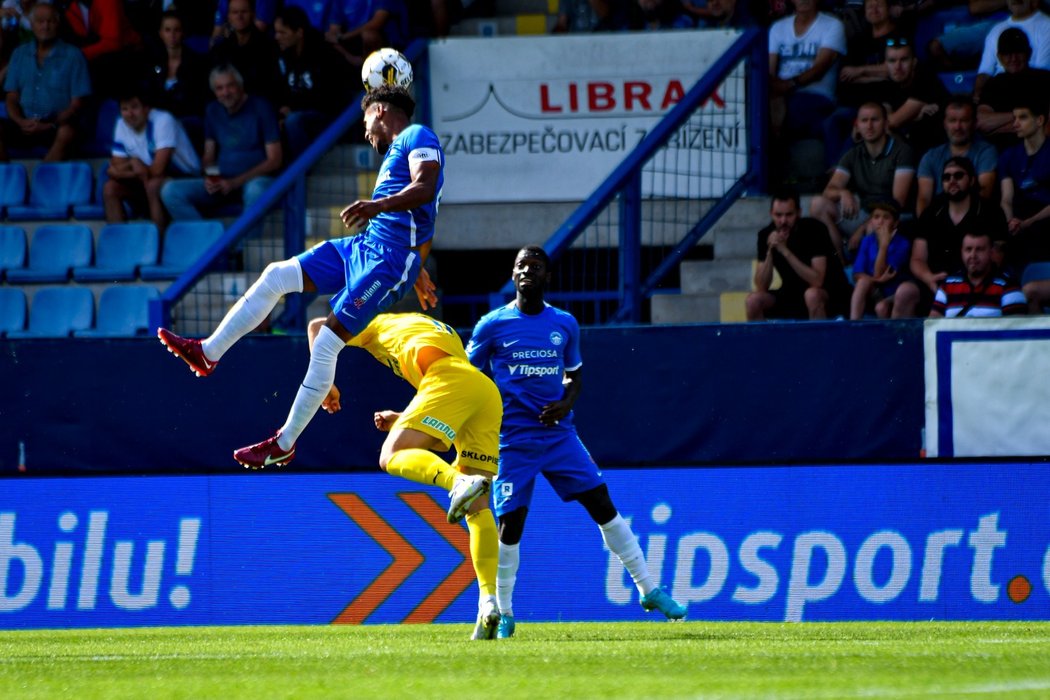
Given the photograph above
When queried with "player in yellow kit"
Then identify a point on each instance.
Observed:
(455, 404)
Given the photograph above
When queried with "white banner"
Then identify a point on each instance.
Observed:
(534, 119)
(987, 393)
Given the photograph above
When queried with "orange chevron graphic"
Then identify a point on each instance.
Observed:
(406, 559)
(461, 577)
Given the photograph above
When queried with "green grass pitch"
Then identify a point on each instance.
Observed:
(545, 660)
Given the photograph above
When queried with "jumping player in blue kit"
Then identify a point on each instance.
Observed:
(367, 273)
(532, 351)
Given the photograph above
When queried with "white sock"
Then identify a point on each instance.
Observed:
(623, 543)
(254, 307)
(507, 576)
(320, 376)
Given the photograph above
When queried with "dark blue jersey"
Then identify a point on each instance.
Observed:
(527, 356)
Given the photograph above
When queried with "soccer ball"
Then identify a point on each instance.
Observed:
(386, 67)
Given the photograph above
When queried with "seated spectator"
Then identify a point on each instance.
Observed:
(263, 12)
(865, 60)
(177, 77)
(314, 78)
(580, 16)
(719, 14)
(1025, 15)
(915, 96)
(1003, 92)
(813, 283)
(242, 138)
(149, 147)
(198, 16)
(357, 28)
(959, 48)
(1025, 186)
(15, 27)
(102, 31)
(939, 231)
(651, 15)
(979, 290)
(47, 82)
(879, 168)
(881, 266)
(804, 51)
(959, 127)
(249, 50)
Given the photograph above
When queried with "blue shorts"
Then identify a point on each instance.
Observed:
(366, 276)
(562, 459)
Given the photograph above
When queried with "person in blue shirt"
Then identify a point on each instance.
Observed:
(367, 273)
(532, 351)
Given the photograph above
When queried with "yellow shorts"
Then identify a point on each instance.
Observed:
(460, 406)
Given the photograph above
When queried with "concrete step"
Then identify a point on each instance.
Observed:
(731, 307)
(733, 243)
(715, 276)
(528, 24)
(685, 308)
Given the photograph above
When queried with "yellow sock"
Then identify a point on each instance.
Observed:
(421, 466)
(484, 549)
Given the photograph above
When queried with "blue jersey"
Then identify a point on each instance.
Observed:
(527, 356)
(416, 226)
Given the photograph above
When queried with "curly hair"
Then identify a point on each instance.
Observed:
(393, 95)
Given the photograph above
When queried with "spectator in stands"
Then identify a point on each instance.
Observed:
(149, 146)
(14, 28)
(978, 290)
(804, 50)
(938, 234)
(959, 127)
(248, 49)
(262, 11)
(1025, 15)
(1025, 186)
(357, 28)
(101, 29)
(1003, 92)
(719, 14)
(198, 16)
(241, 138)
(314, 80)
(879, 168)
(813, 283)
(915, 96)
(959, 48)
(579, 16)
(881, 265)
(176, 76)
(865, 60)
(651, 15)
(47, 82)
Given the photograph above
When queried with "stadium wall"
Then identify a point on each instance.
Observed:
(725, 394)
(802, 543)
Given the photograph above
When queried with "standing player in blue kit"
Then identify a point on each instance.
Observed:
(532, 351)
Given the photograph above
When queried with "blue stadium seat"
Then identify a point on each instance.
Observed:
(55, 250)
(12, 185)
(54, 189)
(95, 209)
(105, 119)
(123, 310)
(13, 248)
(12, 310)
(958, 82)
(119, 252)
(58, 311)
(184, 243)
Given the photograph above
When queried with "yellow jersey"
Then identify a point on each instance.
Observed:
(397, 340)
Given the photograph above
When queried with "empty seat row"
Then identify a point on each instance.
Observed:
(58, 191)
(67, 310)
(124, 252)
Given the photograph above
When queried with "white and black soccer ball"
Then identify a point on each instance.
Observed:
(386, 67)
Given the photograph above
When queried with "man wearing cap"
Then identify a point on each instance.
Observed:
(1002, 92)
(1024, 15)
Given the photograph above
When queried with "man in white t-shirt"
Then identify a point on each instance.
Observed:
(804, 53)
(149, 147)
(1025, 15)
